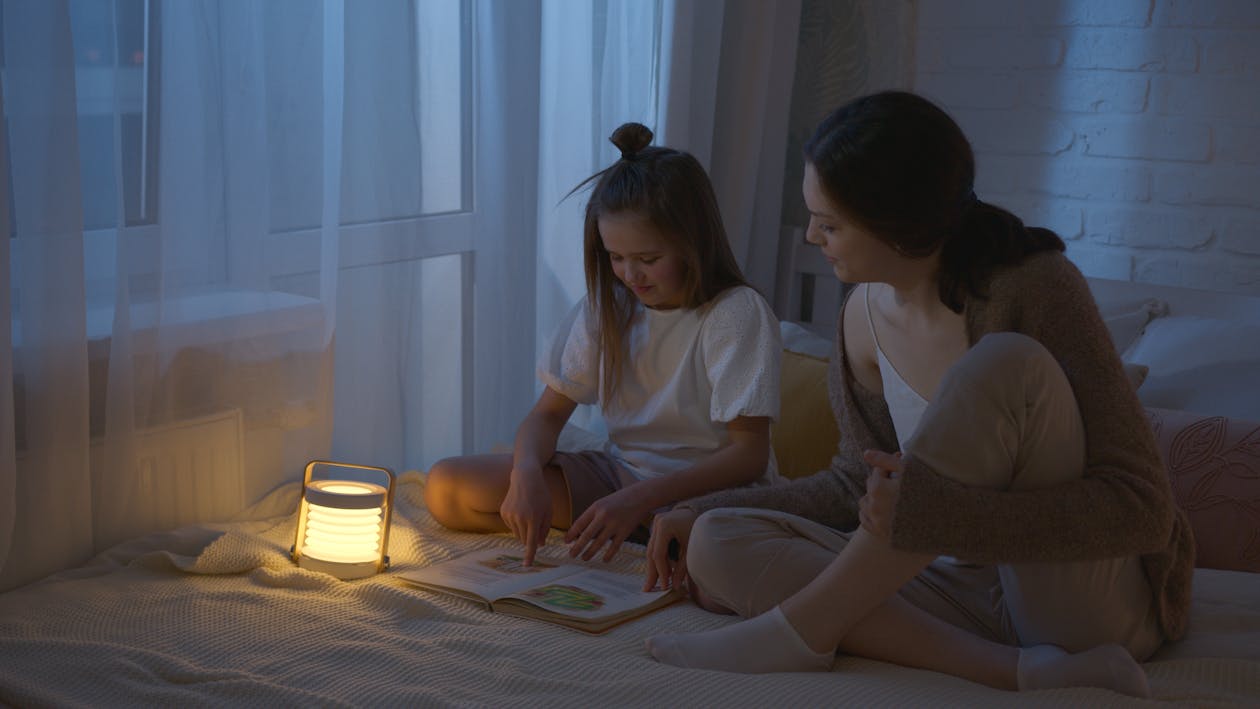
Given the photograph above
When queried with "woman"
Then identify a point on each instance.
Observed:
(998, 509)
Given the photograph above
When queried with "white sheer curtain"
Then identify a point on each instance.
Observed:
(599, 69)
(50, 362)
(209, 198)
(725, 97)
(172, 364)
(436, 291)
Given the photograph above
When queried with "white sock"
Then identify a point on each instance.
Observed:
(1106, 666)
(767, 643)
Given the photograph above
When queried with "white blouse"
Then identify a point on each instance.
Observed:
(689, 373)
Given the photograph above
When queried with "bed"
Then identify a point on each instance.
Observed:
(218, 615)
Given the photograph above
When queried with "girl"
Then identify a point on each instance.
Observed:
(984, 415)
(681, 355)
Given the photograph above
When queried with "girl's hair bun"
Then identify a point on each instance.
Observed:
(631, 138)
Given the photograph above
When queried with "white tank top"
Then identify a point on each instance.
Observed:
(904, 404)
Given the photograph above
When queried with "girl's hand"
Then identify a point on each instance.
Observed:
(526, 510)
(670, 529)
(606, 522)
(883, 488)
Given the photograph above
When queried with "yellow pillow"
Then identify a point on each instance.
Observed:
(805, 437)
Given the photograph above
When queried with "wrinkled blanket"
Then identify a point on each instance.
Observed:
(219, 616)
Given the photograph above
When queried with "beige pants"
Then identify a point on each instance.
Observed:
(1004, 418)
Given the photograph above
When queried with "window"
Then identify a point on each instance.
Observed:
(407, 123)
(115, 61)
(407, 131)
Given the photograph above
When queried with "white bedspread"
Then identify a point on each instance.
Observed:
(221, 617)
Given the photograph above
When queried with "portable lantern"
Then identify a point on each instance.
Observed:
(343, 519)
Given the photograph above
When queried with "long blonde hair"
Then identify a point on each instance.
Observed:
(671, 190)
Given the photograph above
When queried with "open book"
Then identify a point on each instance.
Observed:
(581, 597)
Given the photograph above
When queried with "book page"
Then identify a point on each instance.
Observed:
(590, 593)
(489, 573)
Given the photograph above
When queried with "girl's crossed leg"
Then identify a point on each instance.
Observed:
(465, 493)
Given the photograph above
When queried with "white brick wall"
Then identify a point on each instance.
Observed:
(1131, 127)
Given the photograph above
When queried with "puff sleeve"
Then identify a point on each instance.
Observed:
(742, 349)
(570, 364)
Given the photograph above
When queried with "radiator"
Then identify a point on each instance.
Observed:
(185, 472)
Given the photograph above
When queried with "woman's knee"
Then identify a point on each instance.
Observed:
(1005, 415)
(995, 375)
(1008, 356)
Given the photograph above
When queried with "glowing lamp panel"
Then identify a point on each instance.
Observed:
(344, 527)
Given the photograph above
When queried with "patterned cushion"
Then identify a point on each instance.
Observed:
(1214, 466)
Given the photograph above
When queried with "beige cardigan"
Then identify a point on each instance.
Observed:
(1122, 506)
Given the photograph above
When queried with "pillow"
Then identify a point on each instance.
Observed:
(1136, 373)
(1214, 468)
(1125, 321)
(805, 437)
(1200, 364)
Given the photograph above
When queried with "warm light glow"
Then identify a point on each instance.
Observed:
(342, 535)
(338, 534)
(343, 525)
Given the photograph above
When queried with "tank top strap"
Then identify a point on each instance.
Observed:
(870, 321)
(905, 405)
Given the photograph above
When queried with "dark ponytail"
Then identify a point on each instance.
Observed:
(986, 238)
(902, 168)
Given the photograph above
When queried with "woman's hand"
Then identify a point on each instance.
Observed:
(526, 510)
(883, 487)
(672, 528)
(606, 522)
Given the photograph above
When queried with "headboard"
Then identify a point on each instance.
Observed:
(808, 293)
